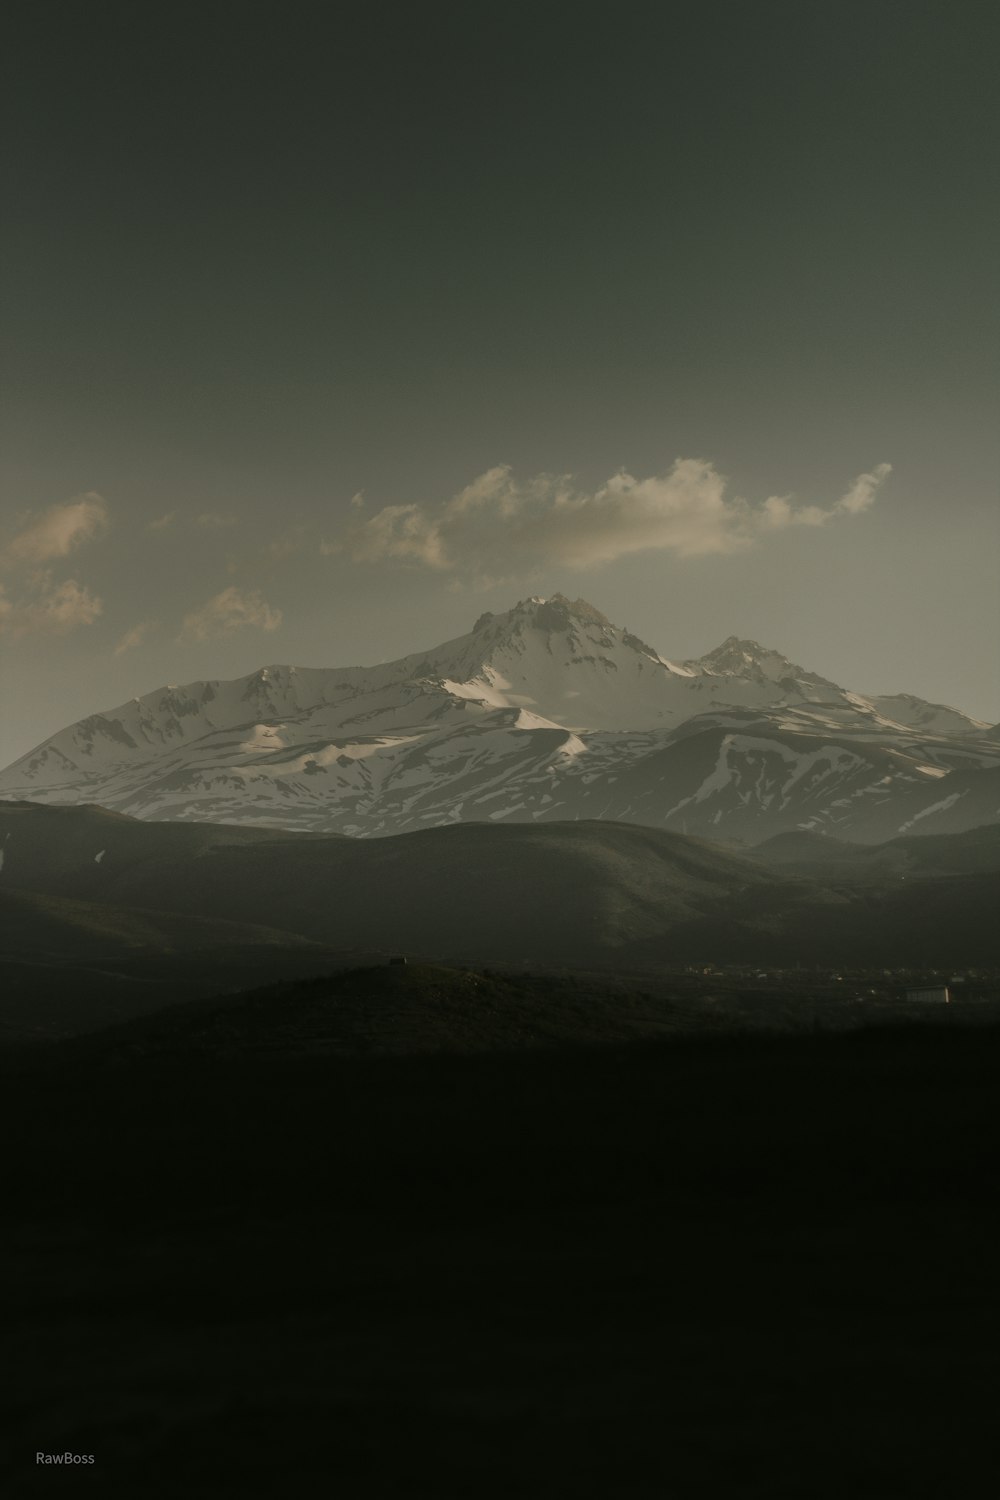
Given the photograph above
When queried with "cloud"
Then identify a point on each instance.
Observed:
(212, 520)
(500, 524)
(48, 608)
(227, 612)
(57, 532)
(43, 606)
(779, 511)
(134, 637)
(862, 492)
(358, 500)
(162, 522)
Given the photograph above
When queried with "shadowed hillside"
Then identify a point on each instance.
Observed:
(68, 966)
(396, 1010)
(820, 857)
(570, 895)
(556, 893)
(81, 931)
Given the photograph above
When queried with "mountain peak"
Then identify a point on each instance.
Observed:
(581, 609)
(555, 608)
(744, 641)
(735, 644)
(555, 613)
(738, 656)
(744, 658)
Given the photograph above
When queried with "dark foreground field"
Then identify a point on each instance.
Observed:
(740, 1266)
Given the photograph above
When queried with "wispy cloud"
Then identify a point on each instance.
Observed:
(500, 524)
(134, 637)
(232, 609)
(57, 532)
(48, 608)
(780, 511)
(162, 522)
(862, 492)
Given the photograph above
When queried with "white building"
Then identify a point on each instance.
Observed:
(939, 995)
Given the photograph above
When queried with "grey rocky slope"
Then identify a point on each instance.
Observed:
(546, 712)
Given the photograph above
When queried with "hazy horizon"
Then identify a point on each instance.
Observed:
(326, 333)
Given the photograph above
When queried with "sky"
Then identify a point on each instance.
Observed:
(327, 328)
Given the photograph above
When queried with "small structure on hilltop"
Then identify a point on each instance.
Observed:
(936, 995)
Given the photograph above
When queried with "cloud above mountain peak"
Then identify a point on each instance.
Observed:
(502, 524)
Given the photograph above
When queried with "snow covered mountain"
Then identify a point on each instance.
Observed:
(544, 712)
